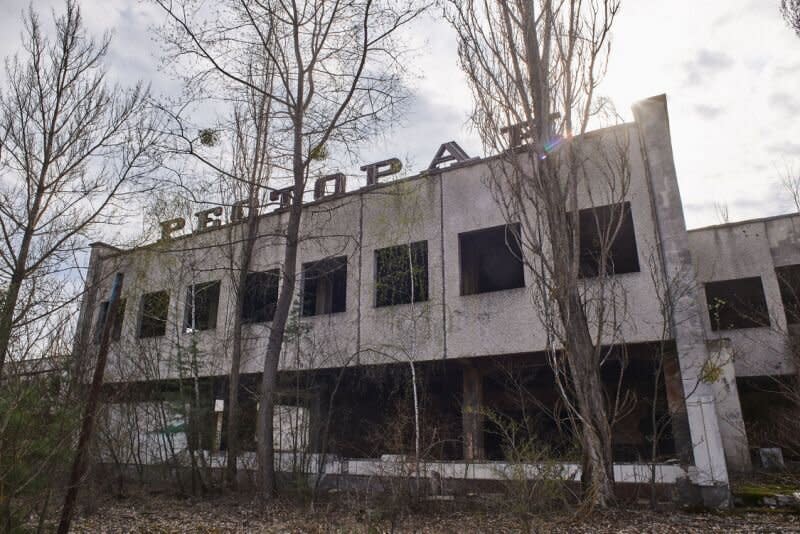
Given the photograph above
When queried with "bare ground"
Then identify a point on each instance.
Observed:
(167, 514)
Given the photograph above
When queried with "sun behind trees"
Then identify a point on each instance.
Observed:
(534, 68)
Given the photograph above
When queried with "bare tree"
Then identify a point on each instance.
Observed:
(237, 154)
(790, 181)
(723, 212)
(790, 9)
(80, 462)
(337, 79)
(253, 160)
(534, 68)
(71, 149)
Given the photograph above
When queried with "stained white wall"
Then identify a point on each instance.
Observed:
(435, 208)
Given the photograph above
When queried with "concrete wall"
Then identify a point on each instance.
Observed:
(437, 207)
(434, 207)
(750, 249)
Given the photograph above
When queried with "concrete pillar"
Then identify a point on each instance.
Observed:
(709, 472)
(472, 414)
(317, 415)
(676, 405)
(219, 416)
(729, 409)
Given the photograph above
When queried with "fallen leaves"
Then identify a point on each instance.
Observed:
(168, 514)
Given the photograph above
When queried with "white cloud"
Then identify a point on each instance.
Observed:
(731, 128)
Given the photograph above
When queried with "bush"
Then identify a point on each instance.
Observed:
(36, 432)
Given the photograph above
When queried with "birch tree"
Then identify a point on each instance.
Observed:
(534, 67)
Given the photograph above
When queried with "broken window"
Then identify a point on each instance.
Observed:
(611, 226)
(260, 296)
(736, 304)
(202, 301)
(789, 283)
(155, 307)
(324, 286)
(116, 328)
(401, 274)
(491, 260)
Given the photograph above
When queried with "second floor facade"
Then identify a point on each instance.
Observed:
(423, 268)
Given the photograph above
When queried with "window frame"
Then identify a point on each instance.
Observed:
(116, 328)
(515, 255)
(591, 218)
(157, 324)
(318, 268)
(192, 294)
(748, 322)
(419, 273)
(267, 303)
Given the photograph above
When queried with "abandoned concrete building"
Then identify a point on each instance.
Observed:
(479, 353)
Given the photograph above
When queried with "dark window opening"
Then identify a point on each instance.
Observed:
(248, 415)
(325, 286)
(202, 301)
(155, 307)
(789, 283)
(736, 304)
(116, 328)
(608, 228)
(201, 418)
(770, 415)
(260, 296)
(491, 260)
(401, 274)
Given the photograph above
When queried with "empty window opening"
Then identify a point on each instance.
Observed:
(325, 286)
(789, 283)
(736, 304)
(607, 229)
(401, 274)
(155, 307)
(491, 260)
(116, 328)
(260, 296)
(202, 301)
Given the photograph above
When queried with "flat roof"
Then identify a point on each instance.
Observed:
(746, 221)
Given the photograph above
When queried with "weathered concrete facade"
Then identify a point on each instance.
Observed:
(458, 332)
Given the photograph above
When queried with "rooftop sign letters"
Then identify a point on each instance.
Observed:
(329, 185)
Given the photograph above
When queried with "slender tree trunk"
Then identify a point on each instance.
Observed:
(90, 412)
(265, 477)
(7, 307)
(266, 408)
(597, 477)
(245, 259)
(9, 302)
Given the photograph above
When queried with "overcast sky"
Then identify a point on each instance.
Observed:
(730, 68)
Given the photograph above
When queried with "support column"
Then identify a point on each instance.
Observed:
(709, 473)
(219, 393)
(472, 414)
(219, 417)
(676, 405)
(317, 420)
(729, 408)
